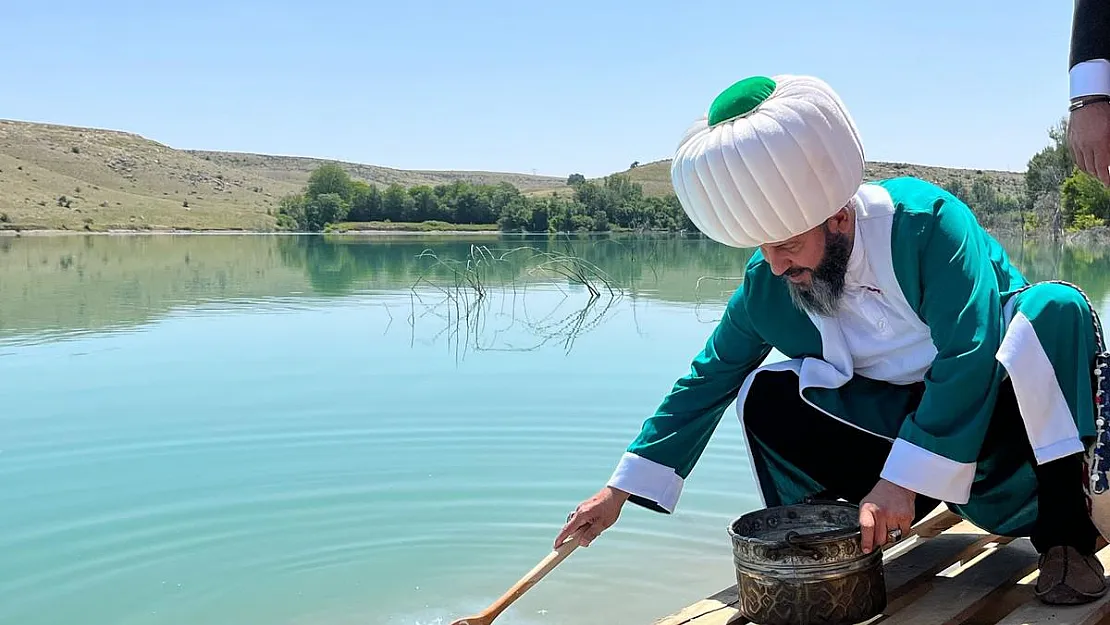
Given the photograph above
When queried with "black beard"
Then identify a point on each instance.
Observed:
(822, 295)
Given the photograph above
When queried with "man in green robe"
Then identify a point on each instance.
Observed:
(920, 365)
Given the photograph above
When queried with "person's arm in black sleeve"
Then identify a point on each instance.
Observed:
(1089, 55)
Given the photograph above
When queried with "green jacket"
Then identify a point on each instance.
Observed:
(953, 280)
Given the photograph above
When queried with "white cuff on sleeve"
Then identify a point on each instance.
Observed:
(1090, 78)
(647, 479)
(924, 472)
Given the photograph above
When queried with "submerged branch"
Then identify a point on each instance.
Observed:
(698, 303)
(468, 285)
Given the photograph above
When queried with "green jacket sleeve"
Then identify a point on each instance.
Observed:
(655, 465)
(937, 445)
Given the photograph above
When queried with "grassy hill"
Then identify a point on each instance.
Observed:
(655, 177)
(296, 169)
(64, 177)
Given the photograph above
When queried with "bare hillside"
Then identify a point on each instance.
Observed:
(67, 177)
(296, 169)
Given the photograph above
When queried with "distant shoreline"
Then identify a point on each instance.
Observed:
(404, 229)
(43, 232)
(1091, 236)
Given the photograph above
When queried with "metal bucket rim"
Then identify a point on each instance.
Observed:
(810, 539)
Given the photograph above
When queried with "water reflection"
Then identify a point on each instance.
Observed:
(656, 266)
(52, 287)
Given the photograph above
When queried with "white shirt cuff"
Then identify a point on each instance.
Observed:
(1090, 78)
(924, 472)
(647, 479)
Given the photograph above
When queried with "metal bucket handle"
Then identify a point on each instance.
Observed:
(893, 535)
(795, 547)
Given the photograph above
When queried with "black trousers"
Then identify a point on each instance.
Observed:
(846, 461)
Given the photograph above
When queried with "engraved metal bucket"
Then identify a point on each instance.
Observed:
(804, 565)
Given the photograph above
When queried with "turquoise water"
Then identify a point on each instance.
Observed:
(262, 430)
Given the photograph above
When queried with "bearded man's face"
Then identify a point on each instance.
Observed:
(814, 265)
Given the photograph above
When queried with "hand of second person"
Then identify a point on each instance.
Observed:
(1089, 139)
(888, 506)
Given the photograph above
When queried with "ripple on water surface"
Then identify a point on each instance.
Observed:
(264, 463)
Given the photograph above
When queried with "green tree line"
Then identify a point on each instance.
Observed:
(1058, 194)
(1055, 196)
(332, 196)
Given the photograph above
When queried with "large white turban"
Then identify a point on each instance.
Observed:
(773, 158)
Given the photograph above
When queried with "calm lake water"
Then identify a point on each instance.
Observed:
(299, 430)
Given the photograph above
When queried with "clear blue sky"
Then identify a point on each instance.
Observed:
(555, 87)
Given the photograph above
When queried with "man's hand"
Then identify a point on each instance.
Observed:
(593, 516)
(1089, 139)
(886, 507)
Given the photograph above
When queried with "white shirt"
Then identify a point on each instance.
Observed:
(886, 339)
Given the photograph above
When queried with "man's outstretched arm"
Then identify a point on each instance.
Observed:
(655, 465)
(653, 468)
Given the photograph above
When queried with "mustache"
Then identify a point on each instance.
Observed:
(796, 271)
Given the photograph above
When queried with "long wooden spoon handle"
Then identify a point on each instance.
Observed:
(537, 573)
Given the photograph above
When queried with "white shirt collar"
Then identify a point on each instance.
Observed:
(859, 274)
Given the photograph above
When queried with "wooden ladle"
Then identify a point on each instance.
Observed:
(537, 573)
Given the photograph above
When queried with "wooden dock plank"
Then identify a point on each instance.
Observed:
(954, 597)
(705, 610)
(1033, 612)
(909, 578)
(937, 521)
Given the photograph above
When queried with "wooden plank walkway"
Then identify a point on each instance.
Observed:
(947, 572)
